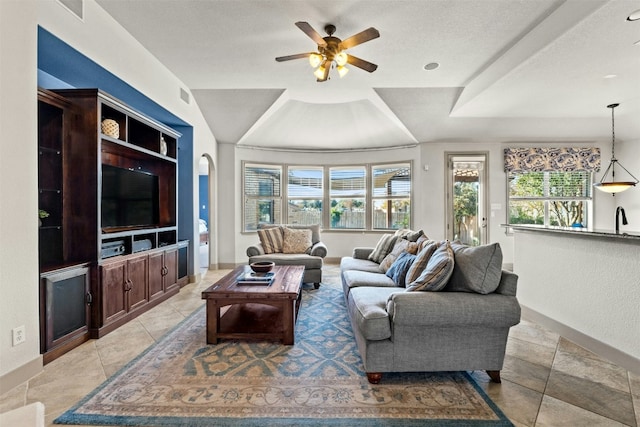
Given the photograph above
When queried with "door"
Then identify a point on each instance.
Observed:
(170, 269)
(137, 275)
(467, 198)
(156, 275)
(113, 277)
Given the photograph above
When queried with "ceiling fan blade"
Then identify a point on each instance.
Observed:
(363, 36)
(361, 63)
(290, 57)
(308, 30)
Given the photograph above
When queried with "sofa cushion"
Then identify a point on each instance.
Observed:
(271, 239)
(351, 263)
(398, 270)
(355, 279)
(296, 241)
(477, 268)
(383, 247)
(420, 263)
(437, 272)
(368, 311)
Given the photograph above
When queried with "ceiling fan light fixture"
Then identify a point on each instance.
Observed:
(342, 70)
(614, 186)
(341, 58)
(319, 72)
(315, 59)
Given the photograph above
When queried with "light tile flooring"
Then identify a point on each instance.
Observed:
(546, 381)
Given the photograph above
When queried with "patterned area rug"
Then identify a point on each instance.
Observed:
(182, 381)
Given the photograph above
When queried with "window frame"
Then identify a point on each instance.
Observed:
(546, 199)
(389, 198)
(325, 223)
(288, 197)
(276, 199)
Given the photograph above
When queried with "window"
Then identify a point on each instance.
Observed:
(360, 197)
(550, 186)
(550, 198)
(304, 195)
(391, 196)
(347, 197)
(262, 195)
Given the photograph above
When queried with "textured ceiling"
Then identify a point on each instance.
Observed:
(510, 70)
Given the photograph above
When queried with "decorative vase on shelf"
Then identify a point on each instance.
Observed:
(111, 128)
(163, 146)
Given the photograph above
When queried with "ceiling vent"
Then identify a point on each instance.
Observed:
(184, 95)
(74, 6)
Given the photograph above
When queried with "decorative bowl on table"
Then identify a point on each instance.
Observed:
(262, 266)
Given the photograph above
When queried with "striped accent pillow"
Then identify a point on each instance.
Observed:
(438, 271)
(271, 239)
(400, 246)
(384, 246)
(420, 263)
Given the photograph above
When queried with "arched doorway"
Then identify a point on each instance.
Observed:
(207, 248)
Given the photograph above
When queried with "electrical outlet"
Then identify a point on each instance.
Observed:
(19, 335)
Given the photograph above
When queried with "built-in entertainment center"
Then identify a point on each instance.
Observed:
(108, 246)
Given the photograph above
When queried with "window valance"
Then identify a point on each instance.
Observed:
(566, 159)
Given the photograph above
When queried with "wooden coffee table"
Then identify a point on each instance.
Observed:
(254, 312)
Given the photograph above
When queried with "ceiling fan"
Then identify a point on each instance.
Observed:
(331, 49)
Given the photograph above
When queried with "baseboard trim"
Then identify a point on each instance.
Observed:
(228, 265)
(604, 350)
(22, 374)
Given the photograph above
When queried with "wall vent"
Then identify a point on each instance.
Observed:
(74, 6)
(184, 95)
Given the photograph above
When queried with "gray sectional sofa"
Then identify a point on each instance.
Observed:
(463, 326)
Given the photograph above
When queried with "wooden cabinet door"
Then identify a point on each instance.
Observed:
(138, 278)
(171, 269)
(113, 278)
(156, 274)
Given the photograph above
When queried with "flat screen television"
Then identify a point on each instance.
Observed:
(129, 198)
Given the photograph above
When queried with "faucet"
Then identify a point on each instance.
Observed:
(620, 210)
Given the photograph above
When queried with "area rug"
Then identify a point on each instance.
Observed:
(182, 381)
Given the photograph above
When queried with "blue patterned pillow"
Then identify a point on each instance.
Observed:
(398, 270)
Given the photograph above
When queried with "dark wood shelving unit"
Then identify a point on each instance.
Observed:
(125, 268)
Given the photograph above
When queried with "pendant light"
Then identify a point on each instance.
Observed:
(614, 186)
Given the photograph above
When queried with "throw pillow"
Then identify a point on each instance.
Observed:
(410, 235)
(398, 270)
(296, 241)
(384, 246)
(400, 246)
(421, 260)
(437, 272)
(478, 268)
(271, 240)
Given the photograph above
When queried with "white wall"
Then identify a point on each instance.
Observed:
(587, 287)
(18, 184)
(100, 38)
(428, 192)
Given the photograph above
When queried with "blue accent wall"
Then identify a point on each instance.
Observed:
(203, 205)
(60, 66)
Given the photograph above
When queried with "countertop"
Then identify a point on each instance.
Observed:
(577, 231)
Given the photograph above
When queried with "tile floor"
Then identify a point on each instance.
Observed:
(546, 381)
